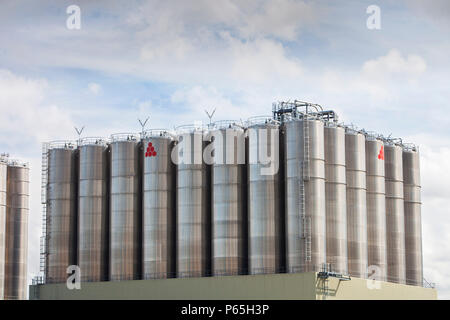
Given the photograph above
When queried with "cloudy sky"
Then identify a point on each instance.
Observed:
(170, 60)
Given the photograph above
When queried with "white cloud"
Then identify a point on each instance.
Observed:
(94, 88)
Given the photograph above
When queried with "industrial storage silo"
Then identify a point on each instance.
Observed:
(193, 205)
(265, 206)
(125, 213)
(16, 241)
(335, 197)
(229, 200)
(61, 211)
(355, 160)
(395, 221)
(159, 206)
(93, 211)
(413, 224)
(376, 208)
(305, 194)
(3, 173)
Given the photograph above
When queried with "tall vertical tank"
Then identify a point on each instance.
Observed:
(265, 207)
(16, 232)
(3, 172)
(355, 160)
(61, 211)
(229, 205)
(93, 212)
(193, 205)
(336, 197)
(413, 224)
(125, 218)
(159, 206)
(305, 194)
(395, 221)
(376, 208)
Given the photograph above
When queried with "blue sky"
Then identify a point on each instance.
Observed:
(170, 60)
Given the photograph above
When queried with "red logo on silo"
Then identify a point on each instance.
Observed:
(381, 154)
(150, 151)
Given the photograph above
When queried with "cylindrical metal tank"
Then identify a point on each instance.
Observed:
(93, 212)
(265, 207)
(395, 221)
(336, 198)
(3, 173)
(159, 206)
(125, 217)
(355, 160)
(413, 224)
(229, 205)
(16, 232)
(61, 212)
(305, 195)
(376, 208)
(193, 205)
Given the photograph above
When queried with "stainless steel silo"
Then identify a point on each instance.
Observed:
(229, 205)
(395, 221)
(193, 205)
(61, 211)
(355, 160)
(3, 173)
(265, 207)
(125, 214)
(336, 198)
(159, 206)
(413, 224)
(305, 195)
(93, 211)
(376, 208)
(16, 232)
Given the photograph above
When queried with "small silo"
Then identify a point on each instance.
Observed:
(16, 232)
(159, 206)
(355, 160)
(93, 211)
(61, 211)
(3, 172)
(229, 195)
(413, 224)
(395, 221)
(335, 197)
(265, 206)
(125, 217)
(376, 208)
(193, 204)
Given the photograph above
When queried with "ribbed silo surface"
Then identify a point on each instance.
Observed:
(305, 195)
(125, 220)
(265, 207)
(3, 173)
(61, 213)
(355, 159)
(193, 207)
(16, 233)
(376, 208)
(335, 198)
(413, 225)
(93, 213)
(159, 207)
(229, 205)
(395, 222)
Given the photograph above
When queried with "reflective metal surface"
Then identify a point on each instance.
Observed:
(125, 227)
(355, 159)
(159, 209)
(3, 173)
(16, 233)
(335, 197)
(413, 225)
(306, 240)
(376, 208)
(61, 214)
(229, 205)
(395, 221)
(93, 214)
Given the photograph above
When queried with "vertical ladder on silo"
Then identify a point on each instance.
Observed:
(306, 220)
(44, 180)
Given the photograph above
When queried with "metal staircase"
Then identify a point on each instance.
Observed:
(305, 176)
(43, 239)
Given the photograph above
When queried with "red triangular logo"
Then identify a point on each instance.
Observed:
(381, 154)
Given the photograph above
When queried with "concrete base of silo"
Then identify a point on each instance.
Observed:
(300, 286)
